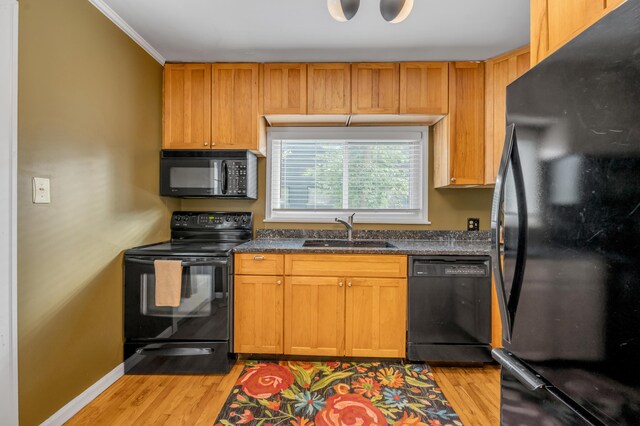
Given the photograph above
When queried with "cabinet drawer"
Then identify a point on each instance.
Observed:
(259, 264)
(351, 265)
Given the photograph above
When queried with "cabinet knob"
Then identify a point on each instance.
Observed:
(349, 284)
(213, 143)
(340, 284)
(258, 257)
(206, 144)
(453, 179)
(279, 282)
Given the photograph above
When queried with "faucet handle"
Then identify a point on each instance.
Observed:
(351, 219)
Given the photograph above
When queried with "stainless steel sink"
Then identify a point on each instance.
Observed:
(347, 243)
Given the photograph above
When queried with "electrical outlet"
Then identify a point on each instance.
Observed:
(473, 224)
(41, 191)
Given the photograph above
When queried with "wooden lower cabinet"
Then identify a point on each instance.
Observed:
(376, 316)
(319, 314)
(314, 316)
(258, 309)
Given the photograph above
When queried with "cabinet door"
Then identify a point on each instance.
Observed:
(375, 88)
(424, 88)
(499, 73)
(285, 88)
(459, 137)
(554, 23)
(258, 310)
(314, 316)
(329, 88)
(236, 115)
(376, 317)
(187, 106)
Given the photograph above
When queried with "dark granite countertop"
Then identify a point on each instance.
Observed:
(405, 242)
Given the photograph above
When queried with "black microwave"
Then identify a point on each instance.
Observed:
(208, 174)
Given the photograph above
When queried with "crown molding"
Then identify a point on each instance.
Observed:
(121, 23)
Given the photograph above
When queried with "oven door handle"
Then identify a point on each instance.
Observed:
(222, 262)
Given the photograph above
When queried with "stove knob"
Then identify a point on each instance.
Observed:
(236, 219)
(178, 218)
(245, 219)
(228, 218)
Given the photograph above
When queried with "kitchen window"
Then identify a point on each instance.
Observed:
(317, 174)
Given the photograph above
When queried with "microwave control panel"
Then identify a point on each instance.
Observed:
(237, 175)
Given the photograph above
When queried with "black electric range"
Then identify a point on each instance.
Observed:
(196, 336)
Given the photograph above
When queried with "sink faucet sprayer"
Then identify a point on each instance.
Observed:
(347, 224)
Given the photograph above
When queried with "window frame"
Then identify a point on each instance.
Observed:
(382, 216)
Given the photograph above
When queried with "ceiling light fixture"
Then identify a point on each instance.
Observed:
(395, 11)
(343, 10)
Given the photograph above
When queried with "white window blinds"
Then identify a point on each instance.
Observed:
(331, 171)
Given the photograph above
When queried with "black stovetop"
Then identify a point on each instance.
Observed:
(201, 234)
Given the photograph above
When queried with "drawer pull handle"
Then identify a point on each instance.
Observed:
(258, 257)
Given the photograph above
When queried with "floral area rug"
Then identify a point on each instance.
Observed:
(336, 394)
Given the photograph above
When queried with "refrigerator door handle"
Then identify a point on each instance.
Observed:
(522, 373)
(508, 306)
(496, 240)
(521, 252)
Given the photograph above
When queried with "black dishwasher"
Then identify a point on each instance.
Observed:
(449, 309)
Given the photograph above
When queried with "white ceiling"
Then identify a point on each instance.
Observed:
(302, 30)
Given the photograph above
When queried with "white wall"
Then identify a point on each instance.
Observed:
(8, 157)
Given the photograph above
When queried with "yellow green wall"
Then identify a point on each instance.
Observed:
(448, 208)
(90, 119)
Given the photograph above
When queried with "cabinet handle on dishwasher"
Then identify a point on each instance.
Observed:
(258, 257)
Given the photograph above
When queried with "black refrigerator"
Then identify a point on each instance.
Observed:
(566, 233)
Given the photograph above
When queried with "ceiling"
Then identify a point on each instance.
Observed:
(302, 30)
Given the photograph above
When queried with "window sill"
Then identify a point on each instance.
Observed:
(359, 221)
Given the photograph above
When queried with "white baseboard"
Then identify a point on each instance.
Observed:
(79, 402)
(122, 24)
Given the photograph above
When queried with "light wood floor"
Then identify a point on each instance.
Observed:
(196, 400)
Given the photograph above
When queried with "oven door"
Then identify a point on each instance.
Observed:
(204, 310)
(192, 177)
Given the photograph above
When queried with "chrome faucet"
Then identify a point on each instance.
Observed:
(347, 224)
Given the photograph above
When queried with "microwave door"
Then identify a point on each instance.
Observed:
(196, 178)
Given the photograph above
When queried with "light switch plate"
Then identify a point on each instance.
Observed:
(41, 190)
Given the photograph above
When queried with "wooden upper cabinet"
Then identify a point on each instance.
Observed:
(376, 317)
(187, 106)
(285, 88)
(459, 137)
(236, 120)
(555, 22)
(258, 308)
(499, 73)
(329, 90)
(314, 316)
(375, 88)
(424, 88)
